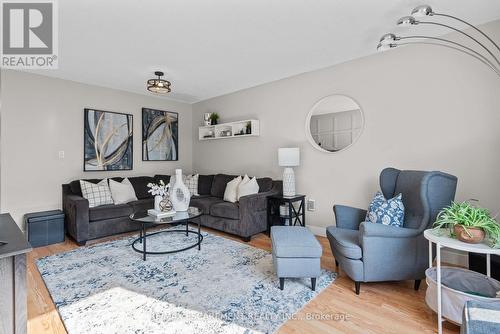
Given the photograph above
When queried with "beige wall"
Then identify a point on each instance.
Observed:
(425, 107)
(41, 116)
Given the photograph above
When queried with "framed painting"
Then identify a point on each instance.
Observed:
(160, 135)
(107, 141)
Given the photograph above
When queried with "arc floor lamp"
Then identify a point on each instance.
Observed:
(484, 48)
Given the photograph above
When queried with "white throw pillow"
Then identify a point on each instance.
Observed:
(96, 194)
(248, 188)
(191, 181)
(122, 192)
(231, 192)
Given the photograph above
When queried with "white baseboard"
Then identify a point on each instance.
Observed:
(317, 230)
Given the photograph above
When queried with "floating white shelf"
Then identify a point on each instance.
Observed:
(229, 130)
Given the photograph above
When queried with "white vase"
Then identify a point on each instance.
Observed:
(158, 199)
(179, 195)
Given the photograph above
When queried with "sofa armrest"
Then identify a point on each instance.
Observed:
(368, 229)
(253, 213)
(76, 209)
(255, 202)
(348, 217)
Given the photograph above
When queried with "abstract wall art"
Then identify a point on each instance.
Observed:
(108, 141)
(160, 135)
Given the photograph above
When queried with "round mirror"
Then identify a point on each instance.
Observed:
(334, 123)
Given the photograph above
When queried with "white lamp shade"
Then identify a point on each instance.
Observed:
(289, 157)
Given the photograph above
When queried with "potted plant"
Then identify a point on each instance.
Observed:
(161, 195)
(214, 117)
(469, 223)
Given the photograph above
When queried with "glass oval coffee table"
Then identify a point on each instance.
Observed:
(192, 215)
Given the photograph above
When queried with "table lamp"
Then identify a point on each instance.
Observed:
(289, 157)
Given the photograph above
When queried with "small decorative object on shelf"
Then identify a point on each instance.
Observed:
(162, 205)
(180, 195)
(469, 223)
(249, 128)
(207, 119)
(214, 118)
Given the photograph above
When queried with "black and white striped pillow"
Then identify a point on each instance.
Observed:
(97, 194)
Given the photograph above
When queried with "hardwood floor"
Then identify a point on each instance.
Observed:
(380, 308)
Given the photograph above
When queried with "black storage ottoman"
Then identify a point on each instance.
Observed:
(44, 228)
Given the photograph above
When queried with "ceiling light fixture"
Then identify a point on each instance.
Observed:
(490, 58)
(158, 85)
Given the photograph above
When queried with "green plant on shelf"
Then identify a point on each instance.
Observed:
(214, 118)
(467, 216)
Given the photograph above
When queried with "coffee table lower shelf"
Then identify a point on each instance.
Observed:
(142, 240)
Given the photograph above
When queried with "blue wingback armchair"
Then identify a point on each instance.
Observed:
(370, 252)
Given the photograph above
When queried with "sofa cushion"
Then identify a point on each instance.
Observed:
(110, 211)
(294, 242)
(140, 184)
(265, 184)
(219, 184)
(142, 204)
(345, 241)
(225, 210)
(204, 203)
(164, 178)
(205, 184)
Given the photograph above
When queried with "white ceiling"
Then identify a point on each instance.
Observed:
(211, 48)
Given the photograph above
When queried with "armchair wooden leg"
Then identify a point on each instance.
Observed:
(282, 283)
(417, 284)
(357, 285)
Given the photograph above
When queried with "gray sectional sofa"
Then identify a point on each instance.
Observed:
(244, 218)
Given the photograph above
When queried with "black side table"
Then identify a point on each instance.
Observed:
(295, 216)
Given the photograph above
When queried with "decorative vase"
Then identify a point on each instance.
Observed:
(166, 204)
(179, 194)
(158, 199)
(474, 236)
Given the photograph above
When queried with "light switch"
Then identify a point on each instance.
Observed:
(61, 154)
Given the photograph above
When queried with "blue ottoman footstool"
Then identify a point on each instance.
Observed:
(296, 253)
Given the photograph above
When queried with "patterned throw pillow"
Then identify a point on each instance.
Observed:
(96, 194)
(388, 212)
(191, 181)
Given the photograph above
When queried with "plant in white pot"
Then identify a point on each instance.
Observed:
(162, 197)
(469, 223)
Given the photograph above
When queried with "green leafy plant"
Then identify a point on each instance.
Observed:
(467, 215)
(214, 117)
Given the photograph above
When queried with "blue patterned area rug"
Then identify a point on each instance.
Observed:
(227, 287)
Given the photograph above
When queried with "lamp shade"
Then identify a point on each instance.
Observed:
(289, 157)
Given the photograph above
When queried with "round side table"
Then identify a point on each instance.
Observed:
(441, 237)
